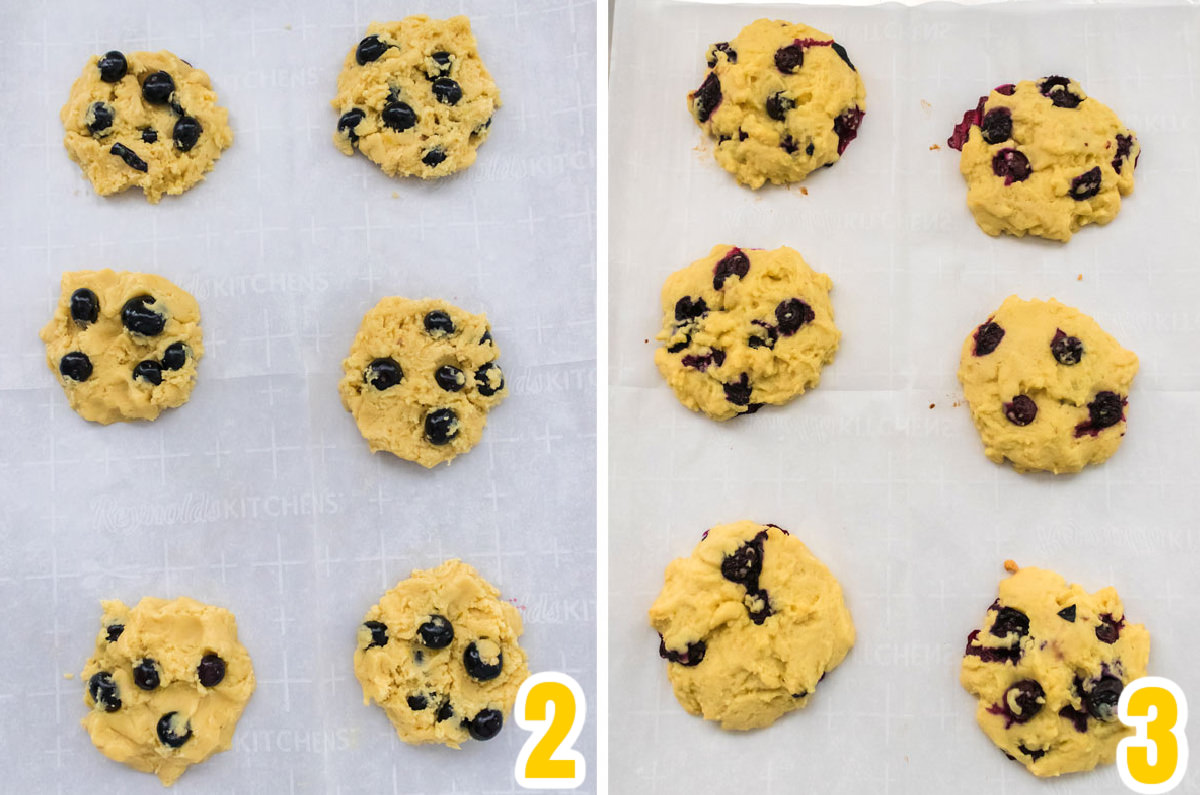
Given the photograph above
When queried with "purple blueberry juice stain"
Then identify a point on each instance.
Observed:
(962, 131)
(1124, 147)
(846, 127)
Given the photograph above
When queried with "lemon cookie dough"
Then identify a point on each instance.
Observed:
(1046, 385)
(745, 327)
(439, 653)
(144, 119)
(166, 684)
(420, 379)
(415, 97)
(124, 345)
(1048, 666)
(781, 100)
(1043, 158)
(749, 624)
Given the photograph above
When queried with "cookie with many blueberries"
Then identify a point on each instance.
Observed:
(421, 378)
(1048, 665)
(166, 684)
(1043, 158)
(749, 623)
(439, 653)
(781, 100)
(1047, 387)
(743, 328)
(144, 119)
(415, 97)
(123, 345)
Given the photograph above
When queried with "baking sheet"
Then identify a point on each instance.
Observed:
(878, 470)
(259, 494)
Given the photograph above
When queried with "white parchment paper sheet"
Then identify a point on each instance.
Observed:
(895, 496)
(259, 494)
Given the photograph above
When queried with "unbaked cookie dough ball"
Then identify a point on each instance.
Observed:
(123, 345)
(439, 653)
(166, 684)
(415, 97)
(144, 119)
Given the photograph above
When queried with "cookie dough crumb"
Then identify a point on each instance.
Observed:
(1010, 566)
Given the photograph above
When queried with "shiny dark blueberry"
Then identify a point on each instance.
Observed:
(450, 378)
(1024, 700)
(1066, 350)
(369, 49)
(417, 703)
(841, 53)
(1010, 621)
(735, 263)
(434, 157)
(211, 670)
(1101, 700)
(383, 374)
(101, 115)
(1055, 88)
(436, 633)
(104, 691)
(846, 127)
(76, 366)
(1033, 753)
(438, 323)
(707, 97)
(1012, 165)
(350, 119)
(175, 356)
(987, 338)
(996, 126)
(810, 149)
(112, 66)
(1109, 630)
(148, 371)
(792, 315)
(145, 674)
(150, 135)
(442, 59)
(730, 53)
(477, 668)
(1106, 410)
(692, 657)
(447, 91)
(738, 393)
(85, 306)
(157, 88)
(1021, 411)
(483, 379)
(1086, 185)
(441, 426)
(486, 339)
(790, 58)
(378, 630)
(445, 711)
(744, 565)
(486, 724)
(398, 116)
(130, 157)
(113, 632)
(186, 133)
(1067, 613)
(687, 308)
(170, 736)
(778, 105)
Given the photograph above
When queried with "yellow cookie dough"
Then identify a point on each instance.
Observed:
(166, 684)
(744, 327)
(750, 623)
(415, 97)
(781, 100)
(1043, 158)
(1048, 665)
(124, 345)
(439, 653)
(1046, 385)
(145, 119)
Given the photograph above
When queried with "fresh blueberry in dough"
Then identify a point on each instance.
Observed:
(173, 730)
(398, 116)
(371, 48)
(735, 263)
(778, 104)
(378, 633)
(130, 157)
(1024, 700)
(175, 356)
(707, 98)
(1057, 89)
(145, 674)
(1066, 350)
(438, 323)
(186, 133)
(139, 318)
(447, 91)
(100, 117)
(383, 373)
(1021, 411)
(1102, 699)
(987, 338)
(113, 66)
(1106, 410)
(996, 126)
(792, 315)
(790, 58)
(148, 371)
(104, 691)
(158, 87)
(441, 426)
(1086, 185)
(75, 366)
(1012, 165)
(489, 379)
(211, 670)
(434, 157)
(1010, 621)
(150, 135)
(450, 378)
(113, 632)
(437, 632)
(85, 306)
(486, 724)
(351, 119)
(417, 703)
(478, 668)
(721, 47)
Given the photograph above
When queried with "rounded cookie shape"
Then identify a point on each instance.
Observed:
(744, 327)
(1047, 387)
(144, 119)
(1048, 665)
(420, 379)
(439, 653)
(781, 100)
(1043, 158)
(749, 623)
(123, 345)
(166, 684)
(415, 97)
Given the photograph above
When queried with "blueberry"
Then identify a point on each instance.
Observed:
(434, 157)
(211, 670)
(113, 632)
(766, 339)
(1024, 700)
(1101, 700)
(85, 306)
(841, 53)
(1066, 350)
(690, 658)
(486, 724)
(1124, 148)
(1012, 165)
(846, 127)
(1106, 410)
(350, 119)
(485, 376)
(100, 117)
(707, 97)
(744, 565)
(1109, 630)
(76, 366)
(478, 669)
(486, 339)
(396, 115)
(1055, 88)
(738, 393)
(789, 145)
(445, 711)
(175, 356)
(442, 59)
(1006, 89)
(157, 88)
(687, 308)
(130, 157)
(369, 49)
(735, 263)
(186, 133)
(437, 632)
(758, 606)
(447, 91)
(150, 135)
(104, 691)
(383, 374)
(169, 735)
(1010, 621)
(417, 703)
(450, 378)
(790, 58)
(996, 126)
(1021, 411)
(792, 315)
(1078, 718)
(1033, 753)
(145, 674)
(148, 371)
(438, 323)
(778, 105)
(730, 53)
(441, 426)
(112, 66)
(987, 338)
(378, 630)
(1086, 185)
(1067, 613)
(808, 150)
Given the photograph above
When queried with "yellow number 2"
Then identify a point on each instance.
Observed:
(552, 708)
(1154, 760)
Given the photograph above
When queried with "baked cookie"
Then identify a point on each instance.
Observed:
(781, 100)
(1048, 666)
(146, 119)
(420, 379)
(439, 653)
(744, 327)
(415, 98)
(749, 624)
(1043, 158)
(124, 345)
(1046, 385)
(166, 684)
